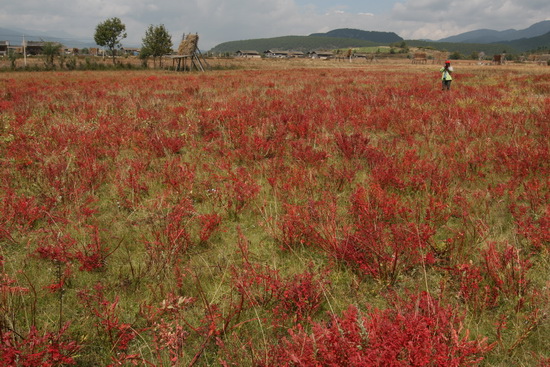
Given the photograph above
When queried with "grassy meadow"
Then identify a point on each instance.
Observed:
(289, 216)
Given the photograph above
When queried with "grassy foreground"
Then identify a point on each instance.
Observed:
(298, 217)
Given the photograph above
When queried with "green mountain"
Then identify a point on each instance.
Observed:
(346, 37)
(466, 49)
(492, 36)
(296, 43)
(530, 44)
(378, 37)
(510, 47)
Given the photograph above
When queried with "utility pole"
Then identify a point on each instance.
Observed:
(24, 50)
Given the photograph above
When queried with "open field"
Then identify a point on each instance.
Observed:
(382, 61)
(299, 213)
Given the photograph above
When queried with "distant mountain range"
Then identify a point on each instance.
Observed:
(295, 43)
(15, 37)
(534, 37)
(337, 38)
(492, 36)
(530, 44)
(487, 40)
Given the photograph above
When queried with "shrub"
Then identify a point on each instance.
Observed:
(415, 332)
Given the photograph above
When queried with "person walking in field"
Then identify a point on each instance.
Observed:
(446, 77)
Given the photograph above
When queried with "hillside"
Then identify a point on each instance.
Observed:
(346, 37)
(373, 36)
(297, 43)
(510, 47)
(492, 36)
(466, 49)
(530, 44)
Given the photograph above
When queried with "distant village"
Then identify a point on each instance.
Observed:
(36, 48)
(33, 48)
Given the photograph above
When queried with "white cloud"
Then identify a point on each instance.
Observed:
(219, 21)
(436, 19)
(216, 21)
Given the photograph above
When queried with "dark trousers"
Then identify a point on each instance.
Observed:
(446, 84)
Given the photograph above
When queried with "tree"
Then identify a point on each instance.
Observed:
(13, 56)
(109, 34)
(50, 51)
(157, 42)
(456, 56)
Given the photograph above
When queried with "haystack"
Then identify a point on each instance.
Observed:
(188, 52)
(188, 46)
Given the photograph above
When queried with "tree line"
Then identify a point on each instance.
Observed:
(108, 34)
(111, 32)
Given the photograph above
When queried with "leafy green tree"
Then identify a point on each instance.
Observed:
(13, 56)
(456, 56)
(50, 50)
(144, 56)
(109, 34)
(157, 42)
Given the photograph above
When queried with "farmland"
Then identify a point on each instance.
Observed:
(282, 216)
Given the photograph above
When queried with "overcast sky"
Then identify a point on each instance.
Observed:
(218, 21)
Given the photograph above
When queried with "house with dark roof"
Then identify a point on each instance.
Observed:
(323, 55)
(296, 54)
(132, 51)
(248, 54)
(34, 47)
(37, 47)
(4, 47)
(283, 54)
(276, 54)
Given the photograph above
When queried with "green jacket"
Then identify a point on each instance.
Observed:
(446, 73)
